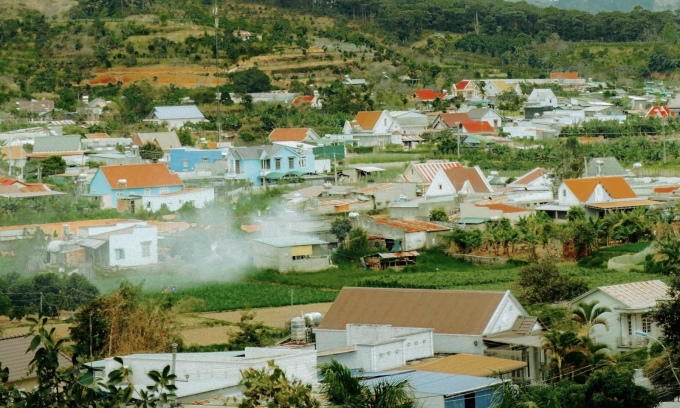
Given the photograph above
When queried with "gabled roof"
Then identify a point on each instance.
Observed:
(49, 144)
(616, 187)
(140, 176)
(459, 175)
(176, 112)
(289, 134)
(608, 166)
(257, 152)
(478, 127)
(427, 171)
(635, 295)
(428, 94)
(304, 99)
(165, 140)
(367, 119)
(478, 113)
(659, 112)
(503, 86)
(413, 225)
(453, 119)
(530, 177)
(445, 311)
(463, 84)
(14, 356)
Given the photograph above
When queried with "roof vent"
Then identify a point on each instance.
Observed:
(122, 182)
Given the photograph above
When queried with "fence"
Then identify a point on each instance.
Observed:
(630, 262)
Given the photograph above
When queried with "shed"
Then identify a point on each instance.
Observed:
(299, 253)
(389, 260)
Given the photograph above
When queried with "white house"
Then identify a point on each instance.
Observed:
(536, 178)
(461, 320)
(487, 115)
(630, 304)
(467, 89)
(198, 197)
(129, 244)
(411, 122)
(451, 182)
(542, 97)
(374, 128)
(497, 87)
(594, 190)
(176, 116)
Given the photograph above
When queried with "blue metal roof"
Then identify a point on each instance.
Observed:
(435, 383)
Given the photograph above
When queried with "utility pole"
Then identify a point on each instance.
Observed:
(217, 73)
(335, 169)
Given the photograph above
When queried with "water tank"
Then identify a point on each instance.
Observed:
(298, 330)
(313, 319)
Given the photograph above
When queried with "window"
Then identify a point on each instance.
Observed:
(302, 162)
(298, 257)
(646, 324)
(119, 254)
(266, 165)
(147, 191)
(146, 249)
(564, 193)
(185, 163)
(440, 186)
(291, 162)
(630, 325)
(164, 190)
(204, 160)
(277, 163)
(119, 194)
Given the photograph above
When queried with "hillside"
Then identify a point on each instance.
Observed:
(596, 6)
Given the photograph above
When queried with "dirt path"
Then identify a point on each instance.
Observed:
(197, 328)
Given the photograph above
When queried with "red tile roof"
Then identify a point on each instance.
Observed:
(478, 127)
(413, 225)
(367, 119)
(662, 190)
(659, 112)
(459, 175)
(140, 175)
(453, 119)
(428, 94)
(462, 85)
(445, 311)
(616, 187)
(564, 75)
(288, 134)
(301, 99)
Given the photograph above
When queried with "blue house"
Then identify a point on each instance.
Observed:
(268, 164)
(122, 186)
(185, 159)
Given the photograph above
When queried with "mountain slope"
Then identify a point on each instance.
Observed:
(596, 6)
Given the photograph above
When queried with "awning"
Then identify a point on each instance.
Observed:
(274, 176)
(295, 173)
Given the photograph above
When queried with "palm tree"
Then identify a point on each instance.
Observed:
(590, 314)
(339, 385)
(559, 345)
(386, 394)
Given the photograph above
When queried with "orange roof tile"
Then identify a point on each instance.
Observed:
(659, 112)
(428, 94)
(478, 127)
(301, 99)
(413, 225)
(564, 75)
(462, 85)
(662, 190)
(288, 134)
(453, 119)
(55, 229)
(140, 175)
(367, 119)
(530, 176)
(616, 187)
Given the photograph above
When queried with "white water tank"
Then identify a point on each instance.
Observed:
(298, 330)
(313, 319)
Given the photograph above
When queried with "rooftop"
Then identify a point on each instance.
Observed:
(290, 241)
(469, 364)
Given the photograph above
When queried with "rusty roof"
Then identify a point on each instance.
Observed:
(413, 225)
(445, 311)
(531, 176)
(564, 75)
(56, 229)
(616, 187)
(468, 364)
(14, 356)
(427, 171)
(288, 134)
(375, 187)
(459, 175)
(367, 119)
(140, 175)
(14, 152)
(505, 208)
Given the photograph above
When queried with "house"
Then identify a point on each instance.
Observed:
(604, 166)
(106, 143)
(267, 164)
(383, 194)
(15, 156)
(443, 390)
(175, 116)
(428, 96)
(164, 140)
(121, 186)
(674, 104)
(543, 97)
(15, 357)
(662, 112)
(185, 159)
(483, 128)
(631, 305)
(283, 97)
(487, 115)
(422, 173)
(297, 253)
(404, 234)
(374, 128)
(354, 82)
(411, 122)
(467, 89)
(11, 188)
(309, 100)
(206, 375)
(471, 322)
(497, 87)
(112, 159)
(472, 364)
(458, 181)
(173, 201)
(536, 178)
(35, 108)
(94, 108)
(450, 120)
(63, 146)
(293, 135)
(123, 244)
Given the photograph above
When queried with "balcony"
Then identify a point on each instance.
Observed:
(231, 174)
(631, 342)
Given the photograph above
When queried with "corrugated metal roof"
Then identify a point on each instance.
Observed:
(413, 225)
(165, 140)
(623, 204)
(436, 383)
(638, 295)
(427, 171)
(290, 241)
(375, 187)
(529, 177)
(177, 112)
(469, 364)
(414, 308)
(395, 255)
(14, 356)
(68, 143)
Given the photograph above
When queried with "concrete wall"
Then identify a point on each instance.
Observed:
(330, 339)
(281, 259)
(417, 341)
(199, 197)
(131, 245)
(455, 343)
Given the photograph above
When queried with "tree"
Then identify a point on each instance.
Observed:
(339, 385)
(667, 315)
(558, 345)
(150, 151)
(251, 80)
(438, 214)
(270, 388)
(615, 388)
(340, 227)
(251, 333)
(589, 315)
(137, 101)
(185, 138)
(542, 282)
